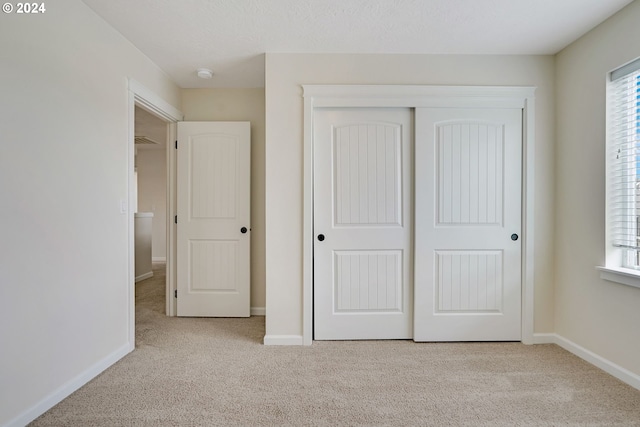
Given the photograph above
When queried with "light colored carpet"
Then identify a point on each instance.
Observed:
(209, 372)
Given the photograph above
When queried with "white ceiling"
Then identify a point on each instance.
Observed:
(231, 36)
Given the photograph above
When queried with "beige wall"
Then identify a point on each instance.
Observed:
(64, 260)
(600, 316)
(240, 105)
(151, 165)
(284, 119)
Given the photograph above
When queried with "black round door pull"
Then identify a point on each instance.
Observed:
(514, 237)
(321, 237)
(243, 230)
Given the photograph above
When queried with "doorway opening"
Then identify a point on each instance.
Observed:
(150, 212)
(144, 104)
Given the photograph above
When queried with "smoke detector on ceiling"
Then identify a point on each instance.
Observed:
(204, 73)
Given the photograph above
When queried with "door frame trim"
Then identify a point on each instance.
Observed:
(141, 96)
(413, 96)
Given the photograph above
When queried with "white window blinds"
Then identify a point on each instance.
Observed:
(624, 151)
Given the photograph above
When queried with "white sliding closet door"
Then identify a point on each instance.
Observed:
(363, 224)
(467, 226)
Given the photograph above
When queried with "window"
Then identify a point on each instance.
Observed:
(623, 169)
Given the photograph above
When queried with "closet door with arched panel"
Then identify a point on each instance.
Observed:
(363, 223)
(468, 223)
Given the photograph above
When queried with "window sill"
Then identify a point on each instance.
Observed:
(624, 276)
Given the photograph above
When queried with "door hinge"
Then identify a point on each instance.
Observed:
(175, 293)
(175, 219)
(176, 144)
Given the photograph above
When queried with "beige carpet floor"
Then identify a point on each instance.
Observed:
(216, 372)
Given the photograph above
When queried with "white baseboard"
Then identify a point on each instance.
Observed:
(258, 311)
(283, 340)
(598, 361)
(159, 259)
(69, 387)
(144, 276)
(548, 338)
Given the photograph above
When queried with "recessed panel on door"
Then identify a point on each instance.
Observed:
(368, 174)
(468, 282)
(368, 281)
(469, 173)
(213, 266)
(213, 175)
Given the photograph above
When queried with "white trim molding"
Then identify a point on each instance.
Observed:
(596, 360)
(154, 104)
(144, 276)
(68, 388)
(172, 209)
(258, 311)
(146, 99)
(620, 275)
(544, 338)
(413, 96)
(283, 340)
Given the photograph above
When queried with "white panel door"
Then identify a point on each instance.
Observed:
(362, 224)
(213, 170)
(468, 216)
